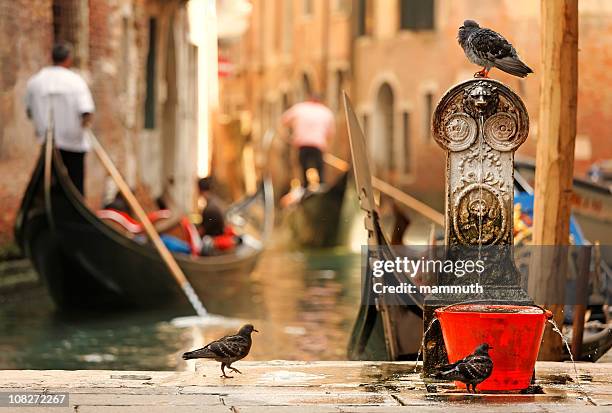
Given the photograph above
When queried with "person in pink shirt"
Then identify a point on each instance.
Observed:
(313, 126)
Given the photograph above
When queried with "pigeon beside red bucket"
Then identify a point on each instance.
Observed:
(514, 333)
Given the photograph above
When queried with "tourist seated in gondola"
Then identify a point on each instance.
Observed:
(211, 236)
(217, 236)
(118, 214)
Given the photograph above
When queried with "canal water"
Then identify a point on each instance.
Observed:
(303, 304)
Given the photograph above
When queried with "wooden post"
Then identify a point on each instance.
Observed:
(554, 161)
(583, 274)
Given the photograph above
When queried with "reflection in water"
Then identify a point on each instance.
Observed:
(33, 336)
(310, 305)
(303, 304)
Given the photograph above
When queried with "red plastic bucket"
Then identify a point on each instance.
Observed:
(514, 332)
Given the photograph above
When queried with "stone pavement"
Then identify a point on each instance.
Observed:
(277, 386)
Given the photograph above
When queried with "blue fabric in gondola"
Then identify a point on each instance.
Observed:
(175, 245)
(526, 201)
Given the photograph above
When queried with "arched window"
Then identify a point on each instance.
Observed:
(338, 85)
(428, 107)
(407, 154)
(305, 87)
(285, 101)
(383, 133)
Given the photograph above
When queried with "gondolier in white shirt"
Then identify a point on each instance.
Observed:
(72, 108)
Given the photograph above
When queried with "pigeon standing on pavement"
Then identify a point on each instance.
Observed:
(226, 350)
(487, 48)
(471, 370)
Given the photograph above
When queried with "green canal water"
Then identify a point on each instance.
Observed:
(303, 304)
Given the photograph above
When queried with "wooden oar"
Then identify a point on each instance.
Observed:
(174, 268)
(47, 172)
(49, 136)
(395, 193)
(408, 200)
(339, 164)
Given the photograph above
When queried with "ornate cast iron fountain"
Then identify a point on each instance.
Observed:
(479, 123)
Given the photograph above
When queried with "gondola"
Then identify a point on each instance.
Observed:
(390, 327)
(316, 220)
(591, 203)
(86, 263)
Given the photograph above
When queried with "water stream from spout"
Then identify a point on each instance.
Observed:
(480, 184)
(557, 330)
(416, 362)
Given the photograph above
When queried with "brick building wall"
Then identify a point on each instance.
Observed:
(30, 32)
(407, 69)
(289, 47)
(117, 49)
(420, 65)
(111, 39)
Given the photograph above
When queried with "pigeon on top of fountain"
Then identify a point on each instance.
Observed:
(471, 370)
(226, 350)
(487, 48)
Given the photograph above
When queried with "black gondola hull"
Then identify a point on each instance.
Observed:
(316, 222)
(87, 264)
